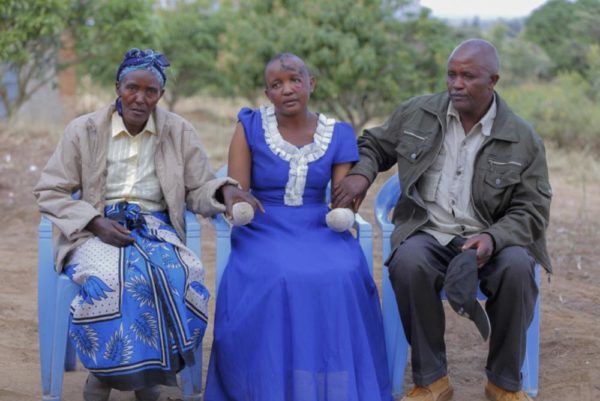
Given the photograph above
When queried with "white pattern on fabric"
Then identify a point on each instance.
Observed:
(119, 348)
(298, 157)
(94, 258)
(141, 306)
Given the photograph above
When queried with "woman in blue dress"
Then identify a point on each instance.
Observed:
(298, 315)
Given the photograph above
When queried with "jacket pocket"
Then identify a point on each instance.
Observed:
(412, 144)
(428, 185)
(499, 181)
(498, 190)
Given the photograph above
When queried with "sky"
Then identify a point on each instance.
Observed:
(481, 8)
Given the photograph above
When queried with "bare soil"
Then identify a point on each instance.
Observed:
(570, 322)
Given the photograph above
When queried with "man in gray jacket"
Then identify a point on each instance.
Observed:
(142, 308)
(474, 176)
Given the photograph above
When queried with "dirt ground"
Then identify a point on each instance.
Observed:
(570, 322)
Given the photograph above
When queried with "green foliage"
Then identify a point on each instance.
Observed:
(23, 22)
(593, 73)
(560, 111)
(29, 37)
(521, 60)
(362, 56)
(105, 29)
(566, 30)
(190, 39)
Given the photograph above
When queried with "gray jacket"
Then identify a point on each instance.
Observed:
(510, 188)
(79, 164)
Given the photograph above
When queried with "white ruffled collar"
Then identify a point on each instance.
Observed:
(286, 150)
(298, 157)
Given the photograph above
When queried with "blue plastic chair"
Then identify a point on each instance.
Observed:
(395, 339)
(55, 294)
(363, 229)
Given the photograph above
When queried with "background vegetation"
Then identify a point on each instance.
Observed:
(367, 55)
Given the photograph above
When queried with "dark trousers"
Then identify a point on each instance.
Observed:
(417, 270)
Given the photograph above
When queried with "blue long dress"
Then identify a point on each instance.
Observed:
(298, 315)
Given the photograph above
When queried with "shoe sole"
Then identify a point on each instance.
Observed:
(490, 397)
(446, 395)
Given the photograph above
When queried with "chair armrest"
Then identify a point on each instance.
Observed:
(45, 251)
(193, 233)
(364, 233)
(222, 237)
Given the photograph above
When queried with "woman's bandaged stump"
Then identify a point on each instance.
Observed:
(340, 219)
(242, 213)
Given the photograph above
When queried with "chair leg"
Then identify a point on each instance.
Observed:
(191, 379)
(530, 370)
(65, 292)
(395, 340)
(46, 317)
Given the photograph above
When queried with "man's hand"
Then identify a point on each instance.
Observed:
(350, 192)
(232, 194)
(484, 244)
(109, 231)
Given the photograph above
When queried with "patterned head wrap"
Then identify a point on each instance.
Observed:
(136, 59)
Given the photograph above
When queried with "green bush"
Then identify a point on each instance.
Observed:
(560, 110)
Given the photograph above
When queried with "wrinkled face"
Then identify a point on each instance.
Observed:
(140, 91)
(470, 84)
(288, 85)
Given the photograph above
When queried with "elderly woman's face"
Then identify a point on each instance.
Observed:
(140, 91)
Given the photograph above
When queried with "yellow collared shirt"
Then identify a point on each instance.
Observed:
(130, 163)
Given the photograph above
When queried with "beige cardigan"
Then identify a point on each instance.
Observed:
(79, 164)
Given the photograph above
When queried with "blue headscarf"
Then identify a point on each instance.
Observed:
(136, 59)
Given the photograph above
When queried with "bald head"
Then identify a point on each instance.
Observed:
(480, 51)
(472, 75)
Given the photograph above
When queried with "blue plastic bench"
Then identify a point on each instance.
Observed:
(55, 294)
(395, 339)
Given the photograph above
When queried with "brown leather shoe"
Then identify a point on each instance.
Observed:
(495, 393)
(439, 390)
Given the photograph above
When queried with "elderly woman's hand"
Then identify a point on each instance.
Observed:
(109, 231)
(232, 194)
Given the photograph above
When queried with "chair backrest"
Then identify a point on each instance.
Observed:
(385, 200)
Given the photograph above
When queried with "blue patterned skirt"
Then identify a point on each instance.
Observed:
(142, 309)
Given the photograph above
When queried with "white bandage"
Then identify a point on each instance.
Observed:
(242, 213)
(340, 219)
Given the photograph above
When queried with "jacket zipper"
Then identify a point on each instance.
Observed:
(415, 135)
(497, 163)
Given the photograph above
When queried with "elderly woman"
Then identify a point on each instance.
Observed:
(142, 308)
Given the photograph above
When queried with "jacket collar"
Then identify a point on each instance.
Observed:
(503, 129)
(101, 119)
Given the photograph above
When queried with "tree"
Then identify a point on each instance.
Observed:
(521, 61)
(105, 29)
(566, 30)
(29, 39)
(190, 38)
(356, 49)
